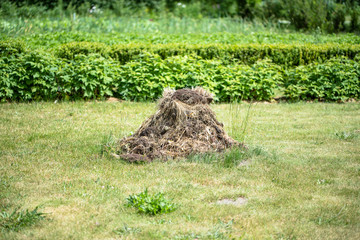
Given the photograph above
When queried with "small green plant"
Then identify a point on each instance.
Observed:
(125, 230)
(238, 124)
(18, 219)
(108, 144)
(345, 135)
(222, 230)
(324, 220)
(234, 157)
(228, 159)
(150, 204)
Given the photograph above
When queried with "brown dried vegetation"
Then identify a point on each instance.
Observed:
(184, 124)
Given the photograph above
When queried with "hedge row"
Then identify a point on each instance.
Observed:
(287, 55)
(335, 80)
(36, 76)
(11, 47)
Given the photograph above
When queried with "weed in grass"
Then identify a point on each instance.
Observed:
(4, 189)
(126, 230)
(324, 181)
(322, 220)
(188, 236)
(19, 219)
(162, 221)
(222, 230)
(258, 150)
(108, 144)
(231, 158)
(286, 236)
(237, 129)
(204, 158)
(344, 135)
(189, 217)
(150, 204)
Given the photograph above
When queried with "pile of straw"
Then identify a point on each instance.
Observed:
(183, 125)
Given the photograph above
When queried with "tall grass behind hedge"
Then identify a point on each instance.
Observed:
(328, 16)
(139, 25)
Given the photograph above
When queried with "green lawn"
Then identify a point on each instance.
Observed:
(301, 177)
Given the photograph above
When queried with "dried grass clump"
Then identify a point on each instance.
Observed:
(184, 124)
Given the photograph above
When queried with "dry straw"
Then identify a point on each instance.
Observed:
(184, 124)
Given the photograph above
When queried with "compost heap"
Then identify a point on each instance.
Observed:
(184, 124)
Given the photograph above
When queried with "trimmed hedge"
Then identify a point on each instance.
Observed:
(11, 47)
(70, 50)
(287, 55)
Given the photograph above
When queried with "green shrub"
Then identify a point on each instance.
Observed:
(256, 82)
(150, 204)
(335, 80)
(40, 76)
(37, 75)
(146, 77)
(88, 77)
(143, 79)
(28, 76)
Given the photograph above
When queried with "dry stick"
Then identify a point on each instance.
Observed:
(336, 214)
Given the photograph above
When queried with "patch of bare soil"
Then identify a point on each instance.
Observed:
(238, 202)
(112, 99)
(183, 124)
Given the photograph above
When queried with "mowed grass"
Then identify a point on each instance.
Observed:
(301, 176)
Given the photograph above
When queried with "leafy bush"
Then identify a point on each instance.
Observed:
(92, 74)
(143, 79)
(28, 76)
(18, 219)
(150, 204)
(256, 82)
(40, 76)
(335, 80)
(146, 77)
(88, 77)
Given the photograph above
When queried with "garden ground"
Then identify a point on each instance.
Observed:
(301, 176)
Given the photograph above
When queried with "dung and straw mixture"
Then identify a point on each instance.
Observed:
(183, 124)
